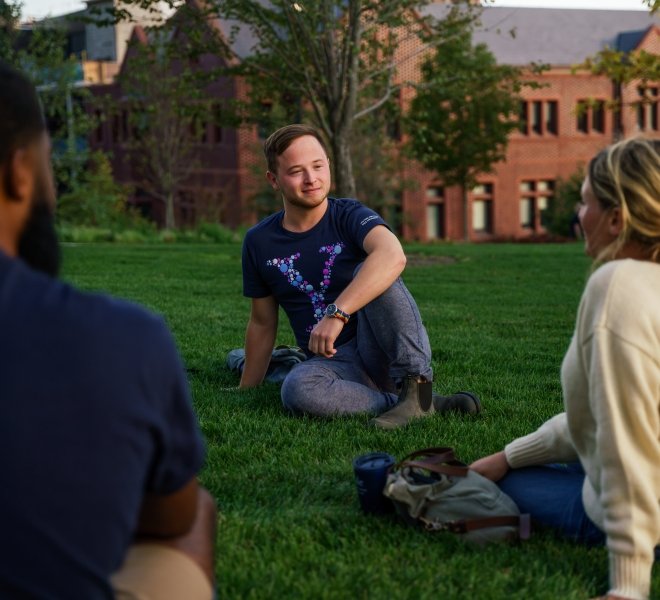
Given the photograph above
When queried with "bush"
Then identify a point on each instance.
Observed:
(98, 201)
(562, 208)
(84, 235)
(215, 232)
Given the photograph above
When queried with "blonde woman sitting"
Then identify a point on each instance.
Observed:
(608, 488)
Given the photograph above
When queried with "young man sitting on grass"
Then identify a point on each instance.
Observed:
(99, 444)
(334, 266)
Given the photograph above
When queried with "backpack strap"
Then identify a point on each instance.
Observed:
(522, 522)
(438, 460)
(438, 454)
(457, 469)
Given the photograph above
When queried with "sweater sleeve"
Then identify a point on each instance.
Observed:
(623, 397)
(549, 443)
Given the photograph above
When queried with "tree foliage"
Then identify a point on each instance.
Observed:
(463, 112)
(166, 118)
(564, 205)
(330, 62)
(624, 68)
(41, 56)
(97, 201)
(333, 62)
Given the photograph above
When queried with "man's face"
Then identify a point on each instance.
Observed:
(37, 244)
(303, 173)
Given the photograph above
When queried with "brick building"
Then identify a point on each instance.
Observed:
(554, 138)
(553, 141)
(220, 186)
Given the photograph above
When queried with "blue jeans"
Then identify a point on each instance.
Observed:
(391, 342)
(552, 495)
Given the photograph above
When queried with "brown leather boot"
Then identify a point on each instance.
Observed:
(415, 401)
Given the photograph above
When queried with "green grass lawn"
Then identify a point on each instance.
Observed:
(500, 318)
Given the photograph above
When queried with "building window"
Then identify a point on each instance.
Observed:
(523, 118)
(527, 188)
(482, 208)
(539, 116)
(598, 116)
(435, 213)
(535, 200)
(647, 108)
(590, 116)
(552, 117)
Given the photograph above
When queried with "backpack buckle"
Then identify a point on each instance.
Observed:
(458, 526)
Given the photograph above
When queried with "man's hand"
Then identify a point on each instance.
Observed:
(323, 336)
(492, 467)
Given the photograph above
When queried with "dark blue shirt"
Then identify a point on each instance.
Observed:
(95, 412)
(307, 271)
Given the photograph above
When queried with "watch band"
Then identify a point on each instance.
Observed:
(333, 311)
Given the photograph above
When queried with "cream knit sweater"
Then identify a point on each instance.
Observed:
(611, 383)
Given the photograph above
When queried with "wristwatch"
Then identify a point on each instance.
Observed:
(333, 311)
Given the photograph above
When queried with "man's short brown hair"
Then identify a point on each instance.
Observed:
(279, 141)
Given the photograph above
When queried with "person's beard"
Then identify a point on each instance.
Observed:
(38, 246)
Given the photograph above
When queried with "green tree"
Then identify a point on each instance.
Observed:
(97, 200)
(44, 61)
(335, 62)
(564, 204)
(10, 16)
(379, 176)
(463, 112)
(623, 68)
(166, 118)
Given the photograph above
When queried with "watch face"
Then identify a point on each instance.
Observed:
(331, 309)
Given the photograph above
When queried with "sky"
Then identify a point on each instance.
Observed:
(41, 8)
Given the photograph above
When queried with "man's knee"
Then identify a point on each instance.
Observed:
(301, 391)
(181, 567)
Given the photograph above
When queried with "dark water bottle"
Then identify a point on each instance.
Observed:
(370, 475)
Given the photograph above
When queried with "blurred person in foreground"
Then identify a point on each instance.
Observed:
(607, 487)
(99, 446)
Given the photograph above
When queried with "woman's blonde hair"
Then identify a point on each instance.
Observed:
(626, 175)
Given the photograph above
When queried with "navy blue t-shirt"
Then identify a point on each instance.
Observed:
(307, 271)
(95, 412)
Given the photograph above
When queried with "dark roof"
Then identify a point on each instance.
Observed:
(629, 40)
(560, 37)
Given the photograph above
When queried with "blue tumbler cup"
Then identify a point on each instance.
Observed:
(371, 476)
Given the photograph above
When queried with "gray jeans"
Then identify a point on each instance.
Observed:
(391, 343)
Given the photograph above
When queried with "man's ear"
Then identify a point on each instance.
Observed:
(19, 175)
(272, 180)
(615, 221)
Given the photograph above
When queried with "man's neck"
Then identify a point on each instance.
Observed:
(299, 220)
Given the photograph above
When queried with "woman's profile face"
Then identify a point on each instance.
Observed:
(595, 221)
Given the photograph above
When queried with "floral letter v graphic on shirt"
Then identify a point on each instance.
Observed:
(297, 280)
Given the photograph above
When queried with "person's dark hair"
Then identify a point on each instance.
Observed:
(21, 117)
(626, 176)
(279, 141)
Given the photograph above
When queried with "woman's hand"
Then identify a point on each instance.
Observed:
(493, 467)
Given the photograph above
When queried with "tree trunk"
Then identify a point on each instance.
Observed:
(344, 180)
(169, 212)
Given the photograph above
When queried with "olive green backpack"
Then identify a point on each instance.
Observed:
(433, 489)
